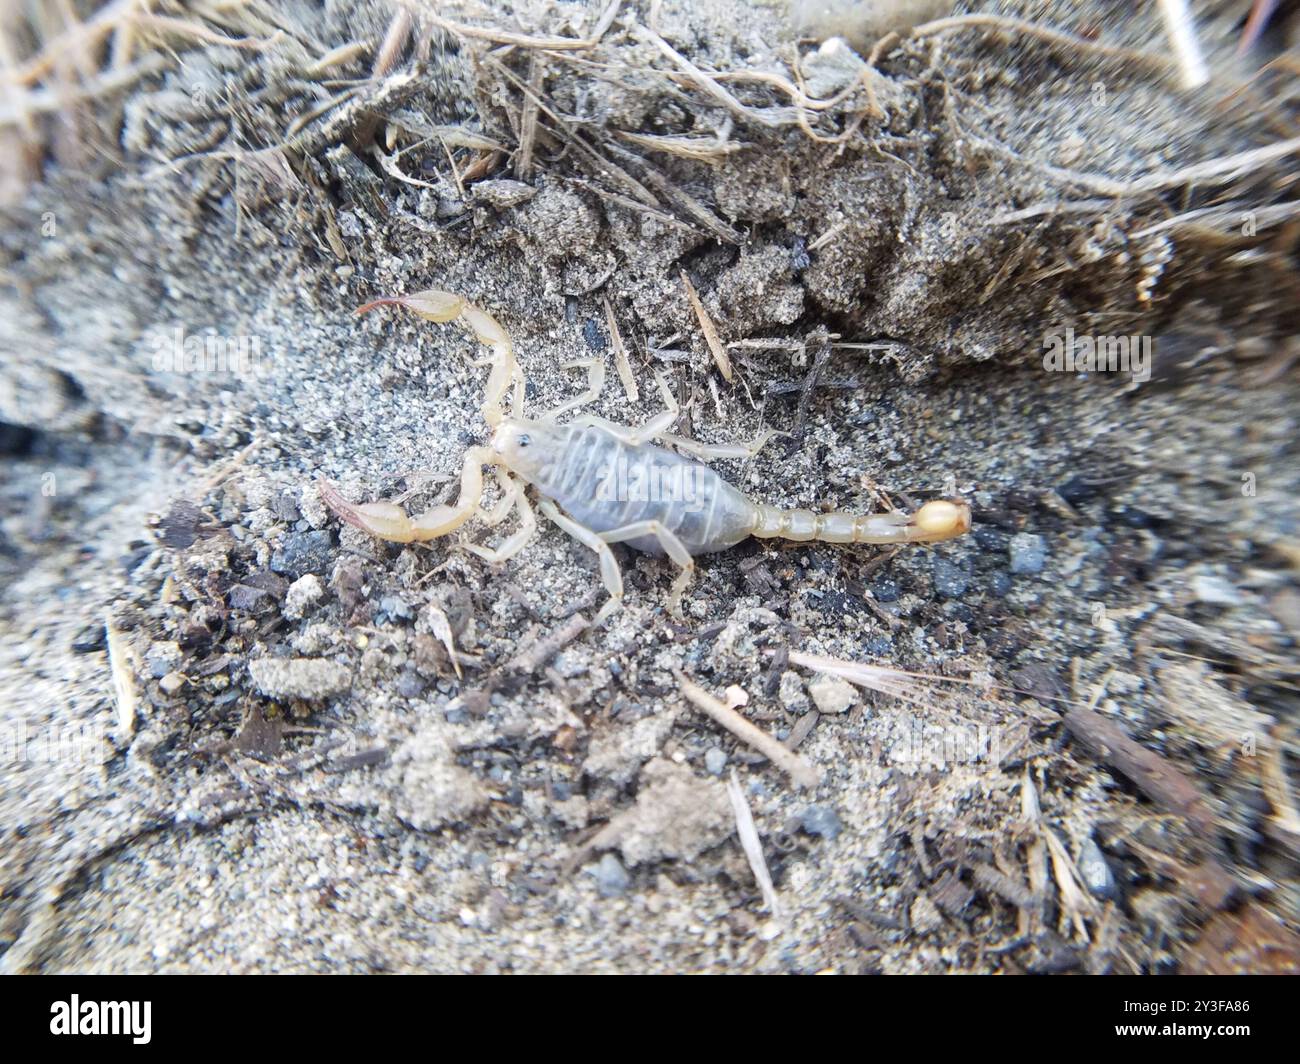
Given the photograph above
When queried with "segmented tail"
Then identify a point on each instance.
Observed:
(935, 521)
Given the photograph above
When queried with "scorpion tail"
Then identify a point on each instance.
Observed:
(935, 521)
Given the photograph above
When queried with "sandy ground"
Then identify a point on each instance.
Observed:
(304, 781)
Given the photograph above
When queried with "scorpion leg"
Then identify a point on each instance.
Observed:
(653, 429)
(609, 571)
(595, 368)
(515, 542)
(704, 451)
(389, 521)
(672, 546)
(710, 451)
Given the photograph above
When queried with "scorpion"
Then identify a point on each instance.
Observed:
(597, 479)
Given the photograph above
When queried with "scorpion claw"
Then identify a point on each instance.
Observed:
(383, 519)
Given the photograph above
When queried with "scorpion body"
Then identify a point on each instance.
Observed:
(605, 483)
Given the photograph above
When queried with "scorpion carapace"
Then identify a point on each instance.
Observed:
(606, 483)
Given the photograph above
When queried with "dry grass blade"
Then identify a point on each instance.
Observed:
(747, 832)
(918, 688)
(621, 362)
(122, 672)
(702, 149)
(523, 40)
(711, 337)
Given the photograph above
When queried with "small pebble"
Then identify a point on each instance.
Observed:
(248, 599)
(309, 678)
(303, 593)
(396, 608)
(410, 684)
(822, 821)
(89, 639)
(949, 579)
(1095, 871)
(791, 693)
(171, 683)
(1000, 583)
(878, 646)
(885, 590)
(592, 334)
(503, 193)
(304, 552)
(715, 760)
(611, 877)
(831, 694)
(162, 657)
(1028, 553)
(1215, 591)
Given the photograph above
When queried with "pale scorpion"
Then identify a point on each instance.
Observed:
(574, 465)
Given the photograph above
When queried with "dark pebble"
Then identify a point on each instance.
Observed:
(410, 684)
(822, 821)
(885, 590)
(592, 334)
(989, 539)
(949, 579)
(1078, 490)
(89, 639)
(1000, 583)
(799, 259)
(304, 552)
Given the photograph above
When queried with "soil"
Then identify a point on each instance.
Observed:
(308, 750)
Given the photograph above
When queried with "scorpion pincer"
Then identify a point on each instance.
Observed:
(605, 483)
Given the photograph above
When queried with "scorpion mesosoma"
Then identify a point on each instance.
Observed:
(578, 469)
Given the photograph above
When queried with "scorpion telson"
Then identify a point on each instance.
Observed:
(606, 483)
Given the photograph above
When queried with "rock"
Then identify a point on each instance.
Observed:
(573, 812)
(304, 552)
(171, 683)
(791, 693)
(1028, 553)
(831, 67)
(885, 590)
(502, 194)
(1000, 583)
(248, 599)
(410, 684)
(949, 578)
(925, 915)
(303, 593)
(1095, 871)
(831, 694)
(307, 678)
(862, 21)
(715, 760)
(285, 507)
(1284, 606)
(89, 639)
(1215, 591)
(162, 657)
(397, 608)
(822, 821)
(611, 877)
